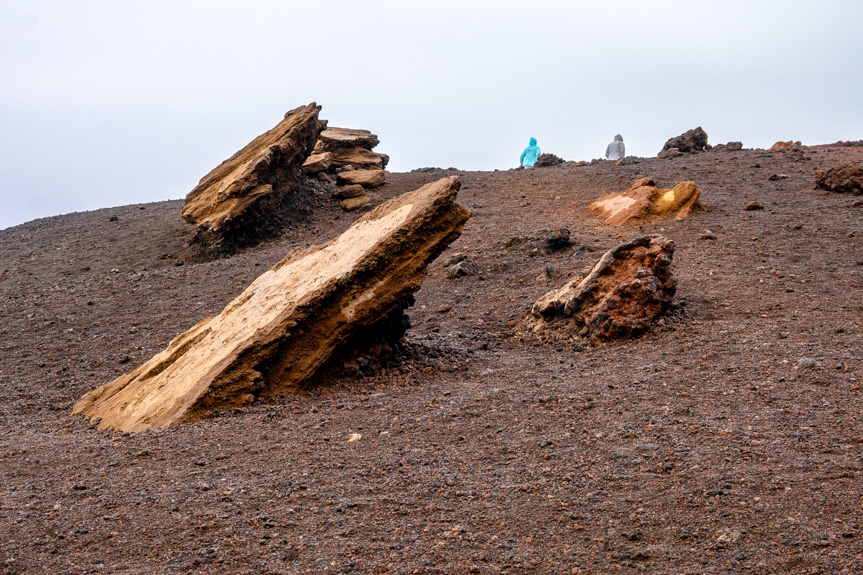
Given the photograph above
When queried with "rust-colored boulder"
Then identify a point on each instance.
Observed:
(317, 163)
(253, 192)
(274, 336)
(847, 179)
(689, 142)
(643, 200)
(620, 298)
(365, 178)
(779, 146)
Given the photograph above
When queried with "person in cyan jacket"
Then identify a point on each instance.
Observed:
(530, 154)
(616, 150)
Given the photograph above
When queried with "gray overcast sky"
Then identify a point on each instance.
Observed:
(106, 103)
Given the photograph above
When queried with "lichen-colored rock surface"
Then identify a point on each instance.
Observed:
(643, 200)
(620, 298)
(248, 195)
(274, 336)
(365, 178)
(847, 179)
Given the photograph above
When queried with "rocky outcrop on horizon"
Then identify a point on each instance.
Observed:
(690, 142)
(274, 336)
(250, 195)
(621, 297)
(643, 200)
(846, 179)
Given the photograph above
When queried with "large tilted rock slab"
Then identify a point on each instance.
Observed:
(620, 298)
(249, 195)
(274, 336)
(643, 200)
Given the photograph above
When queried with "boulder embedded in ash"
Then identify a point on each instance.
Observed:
(547, 161)
(847, 179)
(689, 142)
(556, 240)
(274, 336)
(625, 292)
(258, 189)
(365, 178)
(643, 200)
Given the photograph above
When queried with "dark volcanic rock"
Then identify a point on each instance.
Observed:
(620, 298)
(729, 147)
(547, 161)
(847, 179)
(556, 240)
(689, 142)
(254, 192)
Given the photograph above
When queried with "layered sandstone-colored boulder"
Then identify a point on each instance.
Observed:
(352, 148)
(351, 191)
(317, 163)
(274, 336)
(620, 298)
(643, 200)
(689, 142)
(253, 192)
(847, 179)
(365, 178)
(333, 139)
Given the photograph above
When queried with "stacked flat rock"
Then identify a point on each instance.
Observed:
(342, 150)
(252, 193)
(274, 336)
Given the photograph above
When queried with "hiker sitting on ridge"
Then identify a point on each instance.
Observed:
(616, 150)
(530, 154)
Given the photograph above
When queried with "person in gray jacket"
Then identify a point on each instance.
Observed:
(616, 150)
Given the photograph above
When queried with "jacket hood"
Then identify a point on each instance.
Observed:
(618, 138)
(533, 141)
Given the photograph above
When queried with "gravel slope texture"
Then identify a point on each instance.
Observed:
(726, 440)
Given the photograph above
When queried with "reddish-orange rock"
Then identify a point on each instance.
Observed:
(620, 298)
(365, 178)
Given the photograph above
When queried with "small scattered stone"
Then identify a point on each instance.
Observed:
(546, 443)
(752, 206)
(777, 177)
(707, 235)
(807, 363)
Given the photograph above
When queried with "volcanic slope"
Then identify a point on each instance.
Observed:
(726, 440)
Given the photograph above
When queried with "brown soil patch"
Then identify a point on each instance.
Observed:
(726, 441)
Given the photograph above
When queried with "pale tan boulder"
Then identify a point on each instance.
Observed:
(317, 163)
(248, 195)
(365, 178)
(359, 159)
(643, 200)
(351, 204)
(274, 336)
